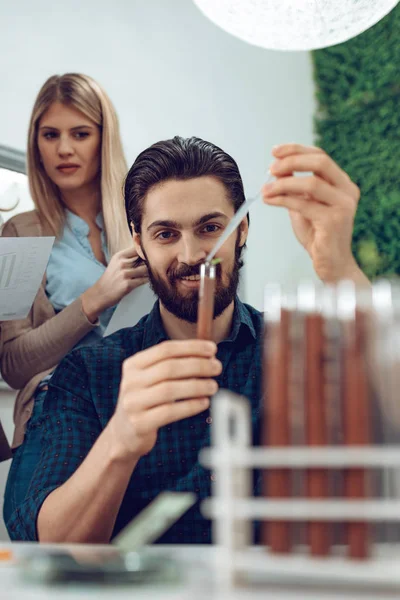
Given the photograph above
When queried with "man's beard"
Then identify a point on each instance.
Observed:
(185, 307)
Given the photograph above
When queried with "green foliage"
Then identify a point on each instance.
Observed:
(358, 124)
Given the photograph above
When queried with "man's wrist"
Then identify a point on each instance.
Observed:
(345, 270)
(118, 452)
(354, 273)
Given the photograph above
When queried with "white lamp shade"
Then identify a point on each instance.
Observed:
(295, 24)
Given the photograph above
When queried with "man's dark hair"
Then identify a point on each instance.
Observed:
(179, 158)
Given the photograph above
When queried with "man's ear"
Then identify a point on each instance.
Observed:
(137, 242)
(244, 230)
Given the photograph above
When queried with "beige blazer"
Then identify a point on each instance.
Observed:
(33, 347)
(5, 451)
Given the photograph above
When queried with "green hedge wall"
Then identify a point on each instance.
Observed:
(358, 124)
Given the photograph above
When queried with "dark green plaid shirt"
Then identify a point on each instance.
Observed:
(81, 399)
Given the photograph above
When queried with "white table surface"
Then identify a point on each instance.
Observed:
(198, 563)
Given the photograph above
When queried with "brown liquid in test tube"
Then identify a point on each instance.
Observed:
(317, 480)
(276, 426)
(205, 311)
(356, 426)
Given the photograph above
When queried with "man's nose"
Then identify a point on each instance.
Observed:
(65, 147)
(191, 251)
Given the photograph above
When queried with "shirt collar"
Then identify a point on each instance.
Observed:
(154, 332)
(79, 225)
(241, 320)
(100, 221)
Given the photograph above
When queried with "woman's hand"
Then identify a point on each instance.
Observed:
(119, 279)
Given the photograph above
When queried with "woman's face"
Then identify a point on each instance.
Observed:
(70, 147)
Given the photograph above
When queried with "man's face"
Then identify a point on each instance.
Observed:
(181, 222)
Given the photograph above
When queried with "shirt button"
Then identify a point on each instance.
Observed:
(209, 420)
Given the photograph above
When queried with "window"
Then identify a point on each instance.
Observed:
(14, 193)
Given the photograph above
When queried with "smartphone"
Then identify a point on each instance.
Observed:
(87, 566)
(126, 561)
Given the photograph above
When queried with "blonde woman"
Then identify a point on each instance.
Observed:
(76, 169)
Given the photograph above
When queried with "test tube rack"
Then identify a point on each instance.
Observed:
(233, 507)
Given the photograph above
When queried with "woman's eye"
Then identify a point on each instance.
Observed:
(50, 135)
(81, 135)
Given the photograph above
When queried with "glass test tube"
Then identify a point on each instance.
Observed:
(205, 311)
(276, 417)
(356, 418)
(319, 533)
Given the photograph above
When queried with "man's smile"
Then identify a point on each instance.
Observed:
(191, 283)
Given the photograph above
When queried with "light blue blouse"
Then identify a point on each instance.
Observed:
(73, 268)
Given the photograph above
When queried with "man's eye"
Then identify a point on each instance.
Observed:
(211, 228)
(164, 235)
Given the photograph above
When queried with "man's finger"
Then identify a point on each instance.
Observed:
(318, 163)
(171, 349)
(180, 368)
(170, 413)
(313, 211)
(284, 150)
(318, 189)
(169, 392)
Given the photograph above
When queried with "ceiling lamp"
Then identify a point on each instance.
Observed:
(295, 24)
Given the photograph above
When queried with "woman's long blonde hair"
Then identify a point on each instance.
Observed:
(84, 94)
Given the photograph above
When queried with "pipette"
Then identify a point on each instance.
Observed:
(234, 222)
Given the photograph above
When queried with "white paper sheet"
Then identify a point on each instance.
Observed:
(131, 309)
(23, 261)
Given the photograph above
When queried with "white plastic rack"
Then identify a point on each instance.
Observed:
(233, 507)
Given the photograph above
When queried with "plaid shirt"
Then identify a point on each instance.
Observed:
(82, 397)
